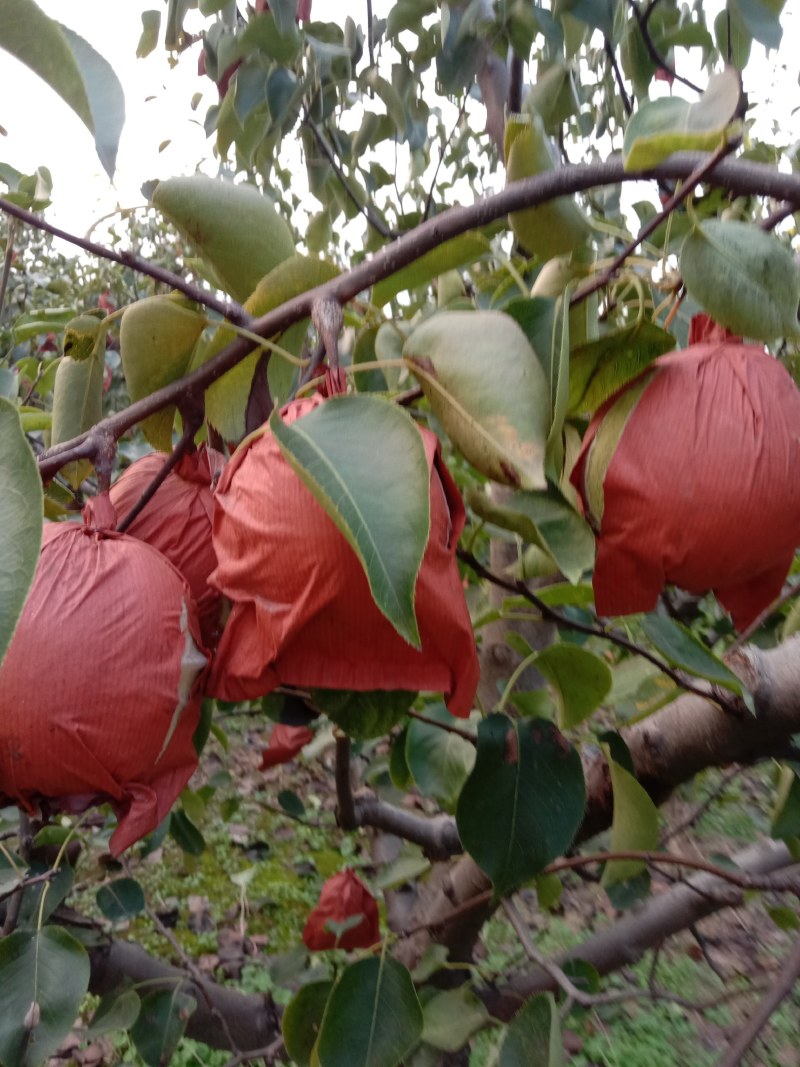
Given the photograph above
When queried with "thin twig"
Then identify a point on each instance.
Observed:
(429, 199)
(420, 717)
(375, 221)
(655, 55)
(345, 804)
(681, 194)
(703, 807)
(550, 614)
(17, 893)
(370, 38)
(612, 59)
(563, 981)
(227, 308)
(268, 1053)
(789, 974)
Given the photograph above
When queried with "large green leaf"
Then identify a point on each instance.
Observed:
(551, 229)
(523, 803)
(373, 1017)
(235, 228)
(743, 277)
(543, 519)
(77, 406)
(487, 387)
(439, 760)
(20, 521)
(461, 251)
(660, 127)
(533, 1038)
(598, 369)
(364, 461)
(44, 975)
(117, 1011)
(581, 681)
(302, 1019)
(634, 828)
(682, 649)
(71, 67)
(161, 1024)
(157, 336)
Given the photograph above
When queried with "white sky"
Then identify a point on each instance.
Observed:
(42, 130)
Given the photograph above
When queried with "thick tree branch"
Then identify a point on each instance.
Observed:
(738, 176)
(253, 1018)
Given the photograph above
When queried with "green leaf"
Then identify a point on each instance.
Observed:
(161, 1024)
(634, 828)
(291, 803)
(460, 251)
(302, 1019)
(21, 506)
(785, 821)
(408, 867)
(551, 229)
(151, 27)
(363, 715)
(598, 369)
(186, 834)
(121, 899)
(439, 761)
(72, 68)
(533, 1038)
(543, 519)
(373, 1017)
(407, 15)
(235, 228)
(44, 975)
(680, 648)
(487, 387)
(581, 681)
(671, 124)
(523, 803)
(226, 398)
(743, 277)
(452, 1017)
(117, 1011)
(157, 337)
(374, 483)
(77, 406)
(762, 19)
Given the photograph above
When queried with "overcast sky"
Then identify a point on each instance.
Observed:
(42, 130)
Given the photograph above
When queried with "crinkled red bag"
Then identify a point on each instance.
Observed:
(302, 610)
(100, 688)
(343, 897)
(702, 487)
(177, 521)
(285, 742)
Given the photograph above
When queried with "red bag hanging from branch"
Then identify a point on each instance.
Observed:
(690, 475)
(100, 687)
(177, 521)
(343, 897)
(302, 610)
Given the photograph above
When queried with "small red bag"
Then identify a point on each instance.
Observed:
(342, 897)
(100, 688)
(285, 742)
(177, 521)
(302, 610)
(703, 485)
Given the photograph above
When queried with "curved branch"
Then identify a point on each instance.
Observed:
(745, 178)
(229, 309)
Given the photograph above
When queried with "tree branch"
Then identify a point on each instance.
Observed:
(627, 940)
(789, 974)
(229, 309)
(642, 21)
(738, 176)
